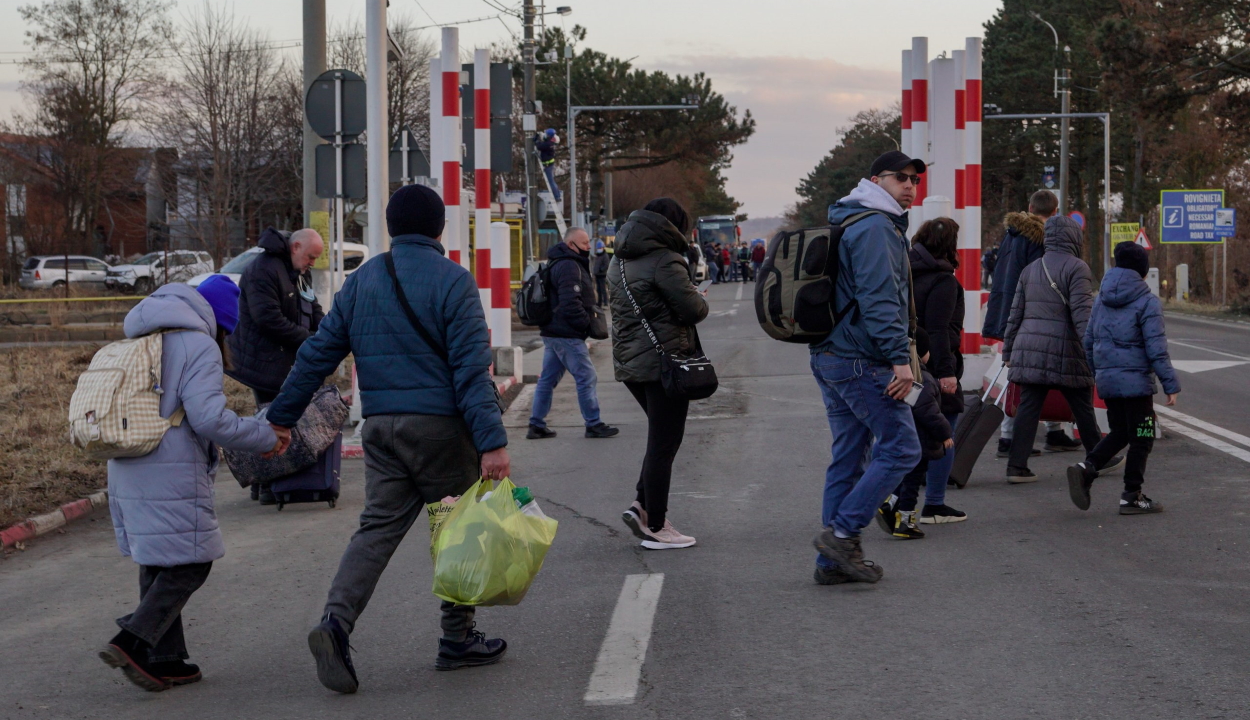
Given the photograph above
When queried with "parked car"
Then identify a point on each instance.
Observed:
(700, 270)
(49, 271)
(354, 254)
(150, 271)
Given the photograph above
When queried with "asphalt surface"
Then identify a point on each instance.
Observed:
(1030, 609)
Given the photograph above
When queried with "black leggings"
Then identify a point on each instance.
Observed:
(666, 425)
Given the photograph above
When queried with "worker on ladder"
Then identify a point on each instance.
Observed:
(545, 144)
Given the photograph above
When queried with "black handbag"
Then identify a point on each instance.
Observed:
(598, 327)
(683, 377)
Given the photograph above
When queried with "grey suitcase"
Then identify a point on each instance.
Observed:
(974, 430)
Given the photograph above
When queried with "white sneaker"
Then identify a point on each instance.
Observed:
(666, 538)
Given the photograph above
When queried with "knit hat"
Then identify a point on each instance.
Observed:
(672, 211)
(922, 343)
(415, 210)
(1132, 256)
(223, 297)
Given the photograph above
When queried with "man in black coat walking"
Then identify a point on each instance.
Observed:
(572, 311)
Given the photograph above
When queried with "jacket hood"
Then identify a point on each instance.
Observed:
(645, 232)
(418, 239)
(922, 261)
(1121, 287)
(868, 196)
(564, 250)
(1027, 225)
(175, 306)
(1063, 235)
(272, 241)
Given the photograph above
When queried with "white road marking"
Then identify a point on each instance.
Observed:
(741, 287)
(1197, 366)
(724, 313)
(1201, 425)
(1226, 324)
(1208, 440)
(1207, 349)
(619, 666)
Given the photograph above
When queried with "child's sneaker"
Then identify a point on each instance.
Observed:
(885, 516)
(941, 514)
(1017, 476)
(905, 526)
(1080, 477)
(1138, 504)
(1004, 449)
(1058, 441)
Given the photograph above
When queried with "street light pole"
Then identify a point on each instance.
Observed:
(1064, 93)
(529, 125)
(314, 65)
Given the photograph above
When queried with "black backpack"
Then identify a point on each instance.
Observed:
(533, 300)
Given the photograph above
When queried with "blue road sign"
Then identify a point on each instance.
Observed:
(1079, 217)
(1225, 222)
(1189, 216)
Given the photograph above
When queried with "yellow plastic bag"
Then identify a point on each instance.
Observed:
(487, 552)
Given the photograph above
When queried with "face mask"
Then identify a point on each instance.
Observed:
(305, 289)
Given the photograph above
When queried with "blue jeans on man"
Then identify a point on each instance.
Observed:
(550, 172)
(566, 354)
(861, 474)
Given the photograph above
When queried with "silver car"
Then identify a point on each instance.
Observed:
(48, 271)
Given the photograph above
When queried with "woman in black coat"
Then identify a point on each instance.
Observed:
(940, 311)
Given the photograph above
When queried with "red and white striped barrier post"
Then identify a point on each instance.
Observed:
(453, 238)
(970, 234)
(481, 180)
(501, 285)
(906, 145)
(958, 57)
(436, 123)
(919, 124)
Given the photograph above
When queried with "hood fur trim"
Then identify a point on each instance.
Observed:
(1026, 224)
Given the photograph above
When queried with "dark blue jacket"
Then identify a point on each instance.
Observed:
(397, 373)
(546, 149)
(1125, 341)
(932, 427)
(1023, 243)
(572, 293)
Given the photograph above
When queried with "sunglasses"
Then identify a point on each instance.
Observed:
(912, 178)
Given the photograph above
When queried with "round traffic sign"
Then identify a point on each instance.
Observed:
(319, 104)
(1079, 217)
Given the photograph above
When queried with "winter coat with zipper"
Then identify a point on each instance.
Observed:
(1125, 342)
(650, 254)
(162, 502)
(940, 311)
(932, 428)
(274, 320)
(1023, 243)
(873, 273)
(572, 293)
(1044, 337)
(398, 373)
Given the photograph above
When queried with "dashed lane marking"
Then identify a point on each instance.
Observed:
(619, 666)
(741, 287)
(1207, 349)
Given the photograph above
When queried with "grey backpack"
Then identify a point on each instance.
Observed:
(796, 290)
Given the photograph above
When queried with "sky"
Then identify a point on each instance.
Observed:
(802, 67)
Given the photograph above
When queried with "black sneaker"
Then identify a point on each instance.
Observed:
(836, 576)
(328, 643)
(1138, 504)
(266, 496)
(602, 430)
(255, 491)
(539, 433)
(885, 517)
(475, 651)
(1058, 441)
(941, 514)
(905, 526)
(847, 553)
(177, 672)
(1080, 478)
(128, 653)
(1017, 476)
(1115, 463)
(636, 520)
(1004, 450)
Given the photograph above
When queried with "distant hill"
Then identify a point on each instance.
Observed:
(761, 227)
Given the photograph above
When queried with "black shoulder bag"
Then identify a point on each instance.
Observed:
(420, 328)
(684, 377)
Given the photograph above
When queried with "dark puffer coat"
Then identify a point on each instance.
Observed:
(573, 293)
(273, 319)
(1022, 244)
(1125, 342)
(652, 252)
(1044, 338)
(940, 311)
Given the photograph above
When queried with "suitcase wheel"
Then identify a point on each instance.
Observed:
(330, 502)
(280, 506)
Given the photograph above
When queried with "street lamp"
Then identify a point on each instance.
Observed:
(1065, 101)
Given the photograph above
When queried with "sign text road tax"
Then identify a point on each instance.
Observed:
(1188, 216)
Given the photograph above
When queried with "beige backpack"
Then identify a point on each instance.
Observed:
(115, 411)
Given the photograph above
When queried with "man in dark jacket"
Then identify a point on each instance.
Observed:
(572, 311)
(545, 144)
(277, 311)
(433, 424)
(599, 265)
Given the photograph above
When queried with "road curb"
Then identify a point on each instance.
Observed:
(42, 524)
(354, 450)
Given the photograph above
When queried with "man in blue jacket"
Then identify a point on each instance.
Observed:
(864, 366)
(432, 417)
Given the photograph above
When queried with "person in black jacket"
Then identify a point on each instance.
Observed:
(600, 266)
(572, 311)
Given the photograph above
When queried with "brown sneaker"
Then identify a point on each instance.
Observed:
(847, 553)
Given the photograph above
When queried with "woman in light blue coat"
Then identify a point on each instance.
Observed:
(162, 502)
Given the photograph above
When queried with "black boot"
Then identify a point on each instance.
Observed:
(177, 672)
(129, 654)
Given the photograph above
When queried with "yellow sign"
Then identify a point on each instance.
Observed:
(1123, 232)
(319, 220)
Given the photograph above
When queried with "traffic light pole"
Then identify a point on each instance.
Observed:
(529, 126)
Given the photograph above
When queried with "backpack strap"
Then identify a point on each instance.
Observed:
(412, 316)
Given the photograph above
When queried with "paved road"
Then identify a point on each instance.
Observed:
(1031, 609)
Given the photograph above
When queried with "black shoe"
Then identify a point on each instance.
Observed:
(267, 496)
(1017, 476)
(941, 514)
(847, 553)
(539, 433)
(905, 526)
(1058, 441)
(177, 672)
(129, 654)
(255, 491)
(1115, 463)
(1138, 504)
(1004, 450)
(602, 430)
(328, 644)
(1080, 478)
(475, 651)
(836, 576)
(885, 517)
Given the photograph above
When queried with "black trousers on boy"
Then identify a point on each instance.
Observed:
(909, 489)
(1132, 422)
(163, 592)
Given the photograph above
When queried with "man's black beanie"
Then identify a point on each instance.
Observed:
(1132, 256)
(672, 211)
(415, 210)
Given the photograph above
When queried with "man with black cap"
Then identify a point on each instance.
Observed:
(433, 420)
(864, 367)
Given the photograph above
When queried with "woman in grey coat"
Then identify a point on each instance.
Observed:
(162, 502)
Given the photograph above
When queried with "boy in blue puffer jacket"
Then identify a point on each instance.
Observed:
(1125, 343)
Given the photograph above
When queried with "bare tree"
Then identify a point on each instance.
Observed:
(407, 79)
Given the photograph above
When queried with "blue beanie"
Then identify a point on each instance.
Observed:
(223, 296)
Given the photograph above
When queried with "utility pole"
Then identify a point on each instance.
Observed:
(529, 125)
(1065, 107)
(314, 65)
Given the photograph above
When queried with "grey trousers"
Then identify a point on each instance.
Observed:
(410, 461)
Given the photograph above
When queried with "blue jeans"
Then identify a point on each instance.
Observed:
(714, 272)
(566, 354)
(862, 475)
(940, 471)
(550, 172)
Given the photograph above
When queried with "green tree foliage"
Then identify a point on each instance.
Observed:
(871, 133)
